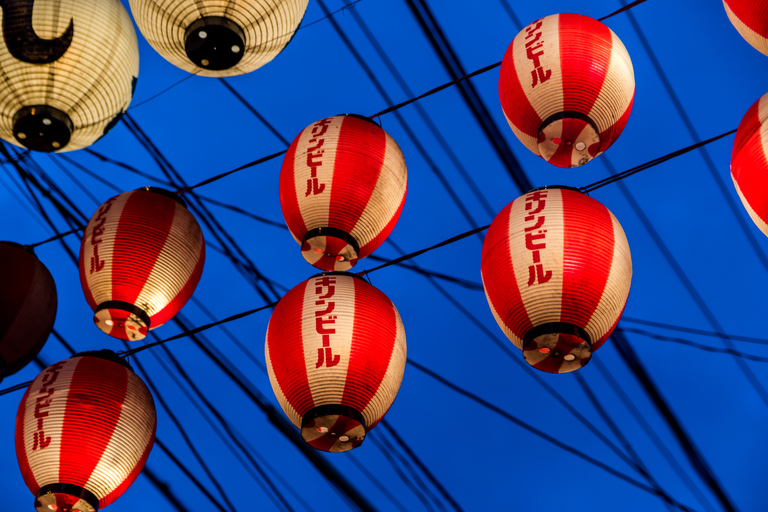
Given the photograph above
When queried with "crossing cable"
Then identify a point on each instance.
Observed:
(364, 470)
(691, 330)
(28, 207)
(699, 346)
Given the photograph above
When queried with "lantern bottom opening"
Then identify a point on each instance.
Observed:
(333, 428)
(557, 347)
(215, 43)
(66, 498)
(330, 249)
(568, 139)
(122, 320)
(42, 128)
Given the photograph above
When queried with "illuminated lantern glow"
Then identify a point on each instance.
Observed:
(335, 352)
(28, 303)
(556, 269)
(566, 87)
(141, 258)
(342, 187)
(749, 163)
(68, 69)
(750, 18)
(218, 37)
(84, 430)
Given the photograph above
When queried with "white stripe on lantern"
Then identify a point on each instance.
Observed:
(757, 41)
(292, 414)
(752, 213)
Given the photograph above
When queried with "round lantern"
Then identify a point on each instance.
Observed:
(750, 17)
(68, 69)
(342, 187)
(218, 37)
(141, 258)
(566, 86)
(336, 353)
(749, 162)
(84, 430)
(556, 270)
(27, 307)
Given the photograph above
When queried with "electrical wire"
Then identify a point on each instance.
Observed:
(691, 330)
(699, 346)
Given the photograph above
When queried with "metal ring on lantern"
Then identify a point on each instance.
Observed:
(71, 490)
(167, 193)
(42, 128)
(127, 307)
(336, 233)
(215, 43)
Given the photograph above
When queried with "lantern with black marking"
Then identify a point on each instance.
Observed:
(342, 188)
(556, 270)
(336, 353)
(141, 258)
(28, 304)
(750, 18)
(68, 69)
(84, 430)
(218, 37)
(566, 87)
(749, 162)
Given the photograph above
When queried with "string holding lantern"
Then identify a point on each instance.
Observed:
(141, 257)
(749, 162)
(68, 70)
(343, 184)
(218, 37)
(556, 270)
(28, 303)
(567, 86)
(750, 19)
(335, 352)
(84, 430)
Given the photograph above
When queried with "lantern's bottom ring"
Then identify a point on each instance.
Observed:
(330, 249)
(333, 428)
(47, 495)
(42, 128)
(214, 43)
(122, 320)
(557, 347)
(568, 139)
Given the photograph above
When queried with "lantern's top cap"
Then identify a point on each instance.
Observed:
(339, 273)
(27, 248)
(107, 354)
(167, 193)
(550, 187)
(364, 118)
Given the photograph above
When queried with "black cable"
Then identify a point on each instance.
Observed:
(164, 489)
(255, 112)
(699, 346)
(691, 330)
(625, 8)
(399, 472)
(370, 476)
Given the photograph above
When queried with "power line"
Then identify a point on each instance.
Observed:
(691, 330)
(699, 346)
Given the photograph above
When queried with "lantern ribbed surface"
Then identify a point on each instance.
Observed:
(749, 162)
(85, 423)
(750, 18)
(342, 187)
(556, 269)
(68, 69)
(141, 258)
(28, 304)
(259, 29)
(335, 352)
(566, 87)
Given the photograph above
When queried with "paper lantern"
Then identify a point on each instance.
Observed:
(342, 187)
(27, 307)
(68, 69)
(84, 430)
(556, 270)
(567, 86)
(141, 258)
(749, 163)
(750, 17)
(336, 353)
(218, 37)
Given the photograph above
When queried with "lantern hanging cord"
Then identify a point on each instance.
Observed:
(625, 8)
(57, 237)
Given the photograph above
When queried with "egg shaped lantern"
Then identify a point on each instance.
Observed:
(336, 353)
(84, 430)
(566, 87)
(218, 37)
(556, 269)
(141, 258)
(28, 304)
(749, 162)
(750, 18)
(342, 188)
(68, 69)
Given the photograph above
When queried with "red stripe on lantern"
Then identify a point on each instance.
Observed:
(750, 18)
(585, 56)
(749, 163)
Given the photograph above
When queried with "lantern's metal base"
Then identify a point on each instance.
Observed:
(330, 249)
(122, 320)
(333, 428)
(42, 128)
(66, 498)
(557, 347)
(214, 43)
(568, 139)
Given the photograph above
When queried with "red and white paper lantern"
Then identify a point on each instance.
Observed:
(567, 86)
(750, 18)
(28, 304)
(336, 354)
(342, 188)
(84, 430)
(556, 270)
(749, 162)
(141, 258)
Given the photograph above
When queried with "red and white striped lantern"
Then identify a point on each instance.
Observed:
(342, 187)
(84, 430)
(750, 18)
(141, 258)
(556, 270)
(749, 162)
(567, 86)
(28, 304)
(336, 353)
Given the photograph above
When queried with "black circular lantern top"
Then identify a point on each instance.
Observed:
(42, 128)
(215, 43)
